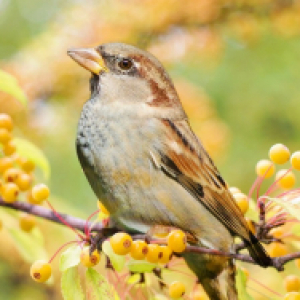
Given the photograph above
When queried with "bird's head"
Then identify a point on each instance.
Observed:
(128, 75)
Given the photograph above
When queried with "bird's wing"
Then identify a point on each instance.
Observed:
(183, 158)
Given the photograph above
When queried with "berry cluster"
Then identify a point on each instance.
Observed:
(17, 182)
(16, 174)
(280, 154)
(277, 215)
(123, 244)
(284, 178)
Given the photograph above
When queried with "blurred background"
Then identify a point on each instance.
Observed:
(235, 64)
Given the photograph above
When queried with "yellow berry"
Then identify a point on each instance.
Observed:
(165, 254)
(139, 250)
(9, 148)
(233, 190)
(242, 202)
(26, 222)
(5, 163)
(277, 232)
(292, 283)
(176, 289)
(251, 225)
(10, 192)
(6, 122)
(153, 253)
(40, 271)
(121, 243)
(26, 164)
(11, 175)
(199, 295)
(40, 192)
(279, 154)
(29, 198)
(295, 160)
(24, 181)
(5, 135)
(292, 296)
(177, 241)
(102, 208)
(265, 168)
(277, 249)
(285, 180)
(89, 260)
(1, 185)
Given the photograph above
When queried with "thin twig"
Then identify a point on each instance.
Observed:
(48, 214)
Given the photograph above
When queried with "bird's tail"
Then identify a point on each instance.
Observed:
(258, 252)
(216, 274)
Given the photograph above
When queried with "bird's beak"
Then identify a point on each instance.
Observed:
(89, 58)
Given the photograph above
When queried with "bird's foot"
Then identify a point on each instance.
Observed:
(99, 237)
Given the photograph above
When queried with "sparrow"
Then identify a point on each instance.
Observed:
(144, 162)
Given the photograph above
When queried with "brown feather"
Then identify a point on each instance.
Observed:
(188, 163)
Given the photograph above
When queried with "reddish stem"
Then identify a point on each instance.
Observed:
(64, 222)
(260, 182)
(296, 191)
(60, 248)
(130, 286)
(292, 221)
(86, 229)
(258, 178)
(277, 217)
(264, 286)
(259, 293)
(140, 291)
(276, 181)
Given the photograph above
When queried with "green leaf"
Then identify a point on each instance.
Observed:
(98, 287)
(292, 208)
(32, 152)
(252, 211)
(296, 229)
(69, 258)
(70, 285)
(135, 278)
(9, 85)
(241, 281)
(140, 266)
(29, 245)
(118, 261)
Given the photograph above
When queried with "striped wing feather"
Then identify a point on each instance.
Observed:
(186, 161)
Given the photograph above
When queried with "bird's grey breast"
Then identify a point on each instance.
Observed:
(114, 153)
(92, 139)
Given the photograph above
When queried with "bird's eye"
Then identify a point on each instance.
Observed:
(125, 64)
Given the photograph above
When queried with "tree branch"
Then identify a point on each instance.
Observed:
(81, 224)
(48, 214)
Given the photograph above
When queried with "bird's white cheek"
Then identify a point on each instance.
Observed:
(124, 89)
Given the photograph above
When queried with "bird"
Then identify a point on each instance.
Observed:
(143, 160)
